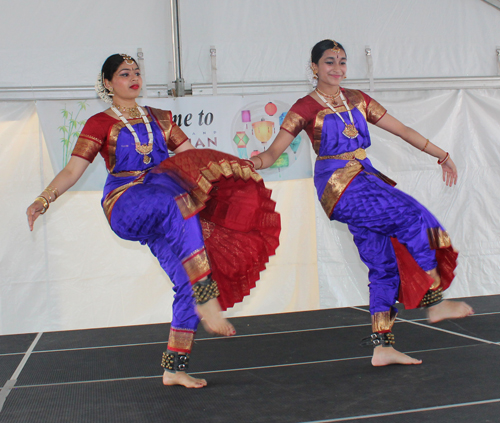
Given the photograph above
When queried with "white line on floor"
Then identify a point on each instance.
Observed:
(5, 391)
(416, 410)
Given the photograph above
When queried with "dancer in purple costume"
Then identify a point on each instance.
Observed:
(408, 253)
(144, 201)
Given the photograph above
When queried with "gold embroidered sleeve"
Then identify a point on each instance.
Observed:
(293, 123)
(87, 147)
(375, 111)
(173, 135)
(177, 137)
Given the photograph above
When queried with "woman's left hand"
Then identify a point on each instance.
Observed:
(449, 172)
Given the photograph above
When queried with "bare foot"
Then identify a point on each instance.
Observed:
(383, 356)
(212, 319)
(448, 310)
(183, 379)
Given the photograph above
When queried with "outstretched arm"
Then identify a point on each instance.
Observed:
(394, 126)
(63, 181)
(268, 157)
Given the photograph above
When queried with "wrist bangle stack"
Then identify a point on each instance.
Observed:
(53, 193)
(45, 203)
(261, 162)
(425, 146)
(440, 162)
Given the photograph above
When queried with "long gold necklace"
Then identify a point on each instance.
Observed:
(350, 130)
(143, 149)
(133, 112)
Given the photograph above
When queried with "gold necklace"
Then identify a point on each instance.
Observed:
(350, 130)
(330, 97)
(133, 112)
(143, 149)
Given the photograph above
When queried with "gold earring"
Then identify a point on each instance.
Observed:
(110, 89)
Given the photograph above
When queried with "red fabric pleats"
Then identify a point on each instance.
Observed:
(415, 282)
(240, 225)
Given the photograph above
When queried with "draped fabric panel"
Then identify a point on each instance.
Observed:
(73, 272)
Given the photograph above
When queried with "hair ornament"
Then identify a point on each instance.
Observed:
(127, 59)
(335, 48)
(311, 76)
(101, 90)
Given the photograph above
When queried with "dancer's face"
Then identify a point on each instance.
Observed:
(331, 68)
(126, 82)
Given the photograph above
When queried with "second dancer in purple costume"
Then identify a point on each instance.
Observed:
(408, 253)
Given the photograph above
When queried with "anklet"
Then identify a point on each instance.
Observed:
(205, 290)
(375, 339)
(432, 298)
(173, 362)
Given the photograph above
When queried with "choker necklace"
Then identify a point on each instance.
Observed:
(330, 97)
(349, 131)
(132, 111)
(143, 149)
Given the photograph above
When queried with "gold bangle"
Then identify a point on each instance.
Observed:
(52, 191)
(426, 144)
(45, 203)
(261, 163)
(440, 162)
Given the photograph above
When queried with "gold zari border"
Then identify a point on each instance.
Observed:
(383, 321)
(180, 340)
(293, 123)
(188, 205)
(113, 140)
(197, 265)
(438, 238)
(337, 184)
(111, 199)
(359, 154)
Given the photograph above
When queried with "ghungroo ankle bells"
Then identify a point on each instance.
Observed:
(172, 361)
(376, 339)
(205, 290)
(432, 298)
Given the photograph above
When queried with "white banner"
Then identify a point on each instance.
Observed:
(242, 126)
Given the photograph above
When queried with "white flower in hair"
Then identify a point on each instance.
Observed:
(101, 89)
(310, 75)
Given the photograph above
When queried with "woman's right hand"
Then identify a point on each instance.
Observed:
(33, 211)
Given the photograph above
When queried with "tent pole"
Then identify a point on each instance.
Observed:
(176, 40)
(494, 3)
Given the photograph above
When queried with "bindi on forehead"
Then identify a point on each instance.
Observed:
(334, 57)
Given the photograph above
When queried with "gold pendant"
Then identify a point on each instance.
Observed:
(350, 131)
(143, 148)
(134, 113)
(147, 159)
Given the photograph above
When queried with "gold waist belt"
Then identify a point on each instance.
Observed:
(130, 173)
(359, 154)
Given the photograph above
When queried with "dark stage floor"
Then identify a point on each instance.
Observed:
(294, 367)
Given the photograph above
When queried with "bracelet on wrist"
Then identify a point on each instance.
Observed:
(53, 193)
(261, 163)
(426, 144)
(445, 159)
(45, 203)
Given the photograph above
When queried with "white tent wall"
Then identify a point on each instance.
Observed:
(73, 272)
(64, 42)
(261, 40)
